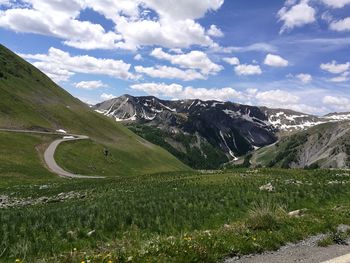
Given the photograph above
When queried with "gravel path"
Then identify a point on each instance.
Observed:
(50, 152)
(306, 251)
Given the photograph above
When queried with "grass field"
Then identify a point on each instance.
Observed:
(171, 217)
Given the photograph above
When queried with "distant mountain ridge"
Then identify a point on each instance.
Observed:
(234, 129)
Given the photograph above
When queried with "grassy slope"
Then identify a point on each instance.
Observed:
(30, 100)
(197, 156)
(179, 217)
(19, 158)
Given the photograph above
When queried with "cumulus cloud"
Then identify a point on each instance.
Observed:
(247, 70)
(234, 61)
(90, 85)
(305, 78)
(138, 57)
(169, 73)
(171, 27)
(296, 15)
(276, 98)
(60, 65)
(273, 98)
(159, 89)
(214, 31)
(275, 61)
(105, 96)
(340, 25)
(197, 60)
(183, 9)
(337, 103)
(165, 33)
(176, 91)
(335, 68)
(57, 19)
(336, 3)
(342, 78)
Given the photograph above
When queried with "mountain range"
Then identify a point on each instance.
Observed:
(207, 134)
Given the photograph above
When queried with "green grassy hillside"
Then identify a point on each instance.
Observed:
(30, 100)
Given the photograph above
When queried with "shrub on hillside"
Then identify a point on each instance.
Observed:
(265, 216)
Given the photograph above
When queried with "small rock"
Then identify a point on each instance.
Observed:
(267, 187)
(343, 228)
(297, 213)
(91, 233)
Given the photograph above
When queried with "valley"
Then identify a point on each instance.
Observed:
(211, 134)
(151, 180)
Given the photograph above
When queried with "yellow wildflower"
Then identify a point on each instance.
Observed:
(187, 238)
(18, 260)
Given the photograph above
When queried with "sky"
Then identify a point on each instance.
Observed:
(283, 54)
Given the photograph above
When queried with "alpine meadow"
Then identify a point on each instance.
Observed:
(182, 131)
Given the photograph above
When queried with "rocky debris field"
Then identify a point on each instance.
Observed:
(7, 201)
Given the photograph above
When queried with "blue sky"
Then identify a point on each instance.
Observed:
(290, 54)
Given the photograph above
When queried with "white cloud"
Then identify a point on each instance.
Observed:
(62, 65)
(336, 3)
(341, 25)
(57, 19)
(305, 78)
(176, 91)
(165, 33)
(337, 103)
(134, 27)
(245, 69)
(276, 98)
(194, 60)
(273, 98)
(138, 57)
(335, 68)
(175, 27)
(342, 78)
(90, 85)
(105, 96)
(232, 61)
(260, 47)
(275, 61)
(169, 73)
(296, 15)
(158, 89)
(214, 31)
(183, 9)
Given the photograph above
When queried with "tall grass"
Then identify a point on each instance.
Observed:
(172, 217)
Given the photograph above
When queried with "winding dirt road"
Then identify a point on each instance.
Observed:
(49, 155)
